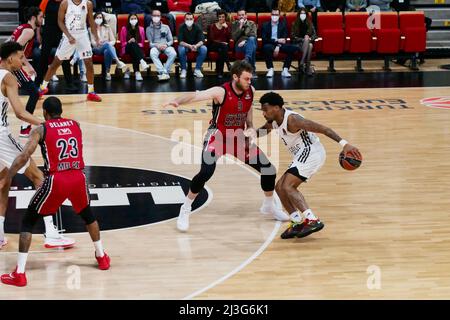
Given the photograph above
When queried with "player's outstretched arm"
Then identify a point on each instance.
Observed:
(296, 123)
(12, 93)
(264, 130)
(28, 150)
(214, 93)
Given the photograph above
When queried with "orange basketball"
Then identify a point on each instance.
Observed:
(348, 162)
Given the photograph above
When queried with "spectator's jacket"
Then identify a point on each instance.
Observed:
(266, 32)
(124, 41)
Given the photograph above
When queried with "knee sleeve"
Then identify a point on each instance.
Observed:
(29, 220)
(87, 215)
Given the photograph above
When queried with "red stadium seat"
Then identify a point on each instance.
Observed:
(331, 35)
(388, 35)
(358, 36)
(413, 32)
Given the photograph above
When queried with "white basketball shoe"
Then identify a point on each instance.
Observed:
(183, 218)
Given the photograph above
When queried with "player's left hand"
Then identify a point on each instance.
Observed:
(349, 149)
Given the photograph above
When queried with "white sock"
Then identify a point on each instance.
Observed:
(49, 226)
(296, 217)
(90, 88)
(21, 262)
(268, 200)
(309, 215)
(98, 249)
(188, 202)
(2, 231)
(44, 84)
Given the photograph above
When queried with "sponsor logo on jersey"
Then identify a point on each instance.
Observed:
(65, 131)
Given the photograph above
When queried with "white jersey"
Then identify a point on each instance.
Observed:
(4, 101)
(75, 18)
(298, 143)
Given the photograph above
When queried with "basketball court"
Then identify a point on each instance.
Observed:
(387, 228)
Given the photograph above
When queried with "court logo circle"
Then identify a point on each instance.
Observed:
(121, 197)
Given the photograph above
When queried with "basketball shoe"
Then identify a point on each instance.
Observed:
(302, 229)
(183, 218)
(103, 262)
(42, 92)
(274, 208)
(55, 240)
(92, 96)
(14, 279)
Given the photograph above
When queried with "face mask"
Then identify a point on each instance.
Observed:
(189, 23)
(133, 22)
(156, 19)
(303, 16)
(275, 18)
(99, 21)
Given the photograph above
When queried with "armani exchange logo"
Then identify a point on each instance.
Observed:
(120, 198)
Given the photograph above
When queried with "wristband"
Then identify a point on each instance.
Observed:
(343, 142)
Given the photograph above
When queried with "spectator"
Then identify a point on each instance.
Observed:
(134, 6)
(333, 5)
(274, 37)
(243, 32)
(356, 5)
(232, 5)
(384, 5)
(161, 41)
(108, 6)
(191, 38)
(219, 36)
(303, 35)
(106, 46)
(258, 6)
(312, 6)
(163, 8)
(132, 39)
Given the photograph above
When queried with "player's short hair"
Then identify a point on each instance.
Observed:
(272, 98)
(31, 12)
(53, 106)
(240, 66)
(8, 48)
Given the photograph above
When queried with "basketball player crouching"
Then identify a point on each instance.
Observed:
(298, 135)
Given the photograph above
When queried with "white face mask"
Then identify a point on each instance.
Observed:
(303, 16)
(189, 23)
(133, 22)
(275, 18)
(98, 21)
(156, 19)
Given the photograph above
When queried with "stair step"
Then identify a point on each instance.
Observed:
(9, 4)
(11, 17)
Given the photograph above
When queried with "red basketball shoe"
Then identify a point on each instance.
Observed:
(14, 279)
(92, 96)
(104, 262)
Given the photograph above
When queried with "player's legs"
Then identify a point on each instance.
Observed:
(4, 189)
(207, 169)
(56, 63)
(288, 206)
(33, 92)
(261, 163)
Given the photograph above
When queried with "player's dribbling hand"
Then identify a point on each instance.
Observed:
(349, 149)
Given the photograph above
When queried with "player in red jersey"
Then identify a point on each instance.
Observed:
(231, 131)
(24, 35)
(62, 149)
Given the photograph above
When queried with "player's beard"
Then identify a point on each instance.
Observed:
(239, 85)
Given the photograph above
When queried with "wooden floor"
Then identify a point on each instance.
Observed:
(391, 215)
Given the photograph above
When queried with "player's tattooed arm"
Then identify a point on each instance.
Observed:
(217, 94)
(35, 136)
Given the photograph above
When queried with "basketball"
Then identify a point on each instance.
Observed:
(348, 162)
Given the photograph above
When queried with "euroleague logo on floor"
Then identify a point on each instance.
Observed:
(437, 102)
(121, 197)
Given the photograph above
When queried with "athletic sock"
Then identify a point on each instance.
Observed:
(91, 88)
(98, 249)
(21, 262)
(296, 217)
(44, 85)
(309, 215)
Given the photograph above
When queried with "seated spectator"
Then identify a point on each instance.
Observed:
(356, 5)
(163, 8)
(333, 5)
(191, 38)
(243, 33)
(384, 5)
(312, 6)
(274, 35)
(232, 5)
(161, 41)
(108, 6)
(106, 46)
(132, 38)
(258, 6)
(303, 35)
(219, 36)
(134, 6)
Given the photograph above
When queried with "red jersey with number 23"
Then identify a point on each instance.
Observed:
(62, 146)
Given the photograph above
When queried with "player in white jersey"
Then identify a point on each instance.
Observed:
(72, 20)
(298, 135)
(12, 54)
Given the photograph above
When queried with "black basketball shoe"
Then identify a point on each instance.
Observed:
(303, 229)
(293, 230)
